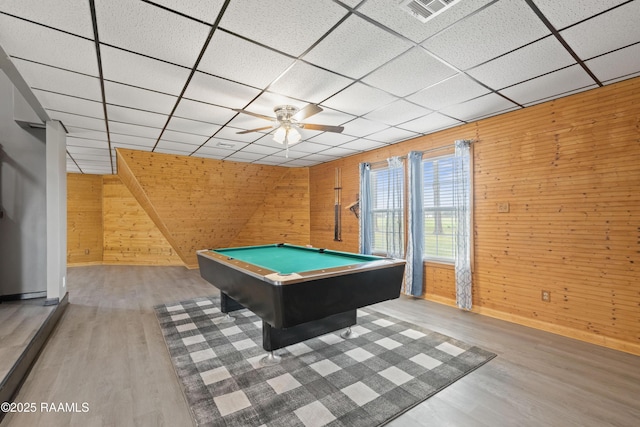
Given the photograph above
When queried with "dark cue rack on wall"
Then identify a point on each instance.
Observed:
(337, 193)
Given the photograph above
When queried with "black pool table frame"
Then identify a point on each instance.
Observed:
(297, 307)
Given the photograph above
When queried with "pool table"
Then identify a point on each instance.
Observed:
(297, 291)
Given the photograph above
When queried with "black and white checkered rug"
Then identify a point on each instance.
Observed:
(365, 381)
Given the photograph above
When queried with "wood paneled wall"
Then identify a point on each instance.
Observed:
(130, 236)
(84, 219)
(570, 171)
(203, 203)
(283, 216)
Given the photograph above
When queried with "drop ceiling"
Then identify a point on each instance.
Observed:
(166, 75)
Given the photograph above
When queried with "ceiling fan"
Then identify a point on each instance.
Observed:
(288, 121)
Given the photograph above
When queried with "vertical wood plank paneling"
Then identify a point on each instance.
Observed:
(203, 203)
(130, 236)
(84, 219)
(283, 216)
(570, 171)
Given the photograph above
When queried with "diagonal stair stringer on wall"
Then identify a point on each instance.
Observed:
(129, 180)
(200, 203)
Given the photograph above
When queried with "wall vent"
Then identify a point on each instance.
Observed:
(424, 10)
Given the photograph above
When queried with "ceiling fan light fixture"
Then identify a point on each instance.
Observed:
(289, 135)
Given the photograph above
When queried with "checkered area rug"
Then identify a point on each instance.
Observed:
(325, 381)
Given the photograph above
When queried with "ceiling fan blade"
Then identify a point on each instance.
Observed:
(260, 116)
(254, 130)
(307, 111)
(325, 128)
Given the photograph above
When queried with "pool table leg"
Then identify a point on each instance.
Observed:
(274, 338)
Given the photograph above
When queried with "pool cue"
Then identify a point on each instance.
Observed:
(337, 232)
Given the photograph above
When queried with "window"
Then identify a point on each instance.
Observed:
(438, 208)
(387, 190)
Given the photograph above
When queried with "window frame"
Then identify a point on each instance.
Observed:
(437, 209)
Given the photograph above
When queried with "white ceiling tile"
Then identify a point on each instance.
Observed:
(606, 32)
(85, 133)
(131, 141)
(362, 127)
(214, 90)
(392, 135)
(525, 63)
(242, 156)
(257, 66)
(147, 73)
(247, 122)
(69, 104)
(328, 138)
(409, 73)
(481, 37)
(338, 152)
(290, 26)
(479, 107)
(47, 46)
(554, 84)
(300, 163)
(430, 123)
(175, 146)
(90, 123)
(368, 43)
(452, 91)
(564, 13)
(310, 83)
(307, 147)
(133, 97)
(397, 112)
(134, 130)
(230, 133)
(363, 145)
(329, 116)
(623, 62)
(392, 16)
(40, 76)
(88, 152)
(150, 30)
(73, 16)
(276, 160)
(72, 167)
(196, 110)
(203, 10)
(83, 142)
(184, 138)
(359, 99)
(214, 151)
(128, 115)
(320, 158)
(225, 144)
(263, 149)
(192, 126)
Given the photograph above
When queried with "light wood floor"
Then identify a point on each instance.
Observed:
(19, 323)
(108, 351)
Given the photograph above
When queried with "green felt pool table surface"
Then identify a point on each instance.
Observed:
(287, 259)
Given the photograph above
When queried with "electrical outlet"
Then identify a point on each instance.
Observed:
(546, 296)
(503, 207)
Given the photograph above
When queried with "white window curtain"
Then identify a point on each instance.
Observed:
(381, 208)
(415, 232)
(366, 216)
(462, 202)
(390, 199)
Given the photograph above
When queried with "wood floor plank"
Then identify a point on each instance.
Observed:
(108, 351)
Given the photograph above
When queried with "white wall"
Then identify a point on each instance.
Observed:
(23, 224)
